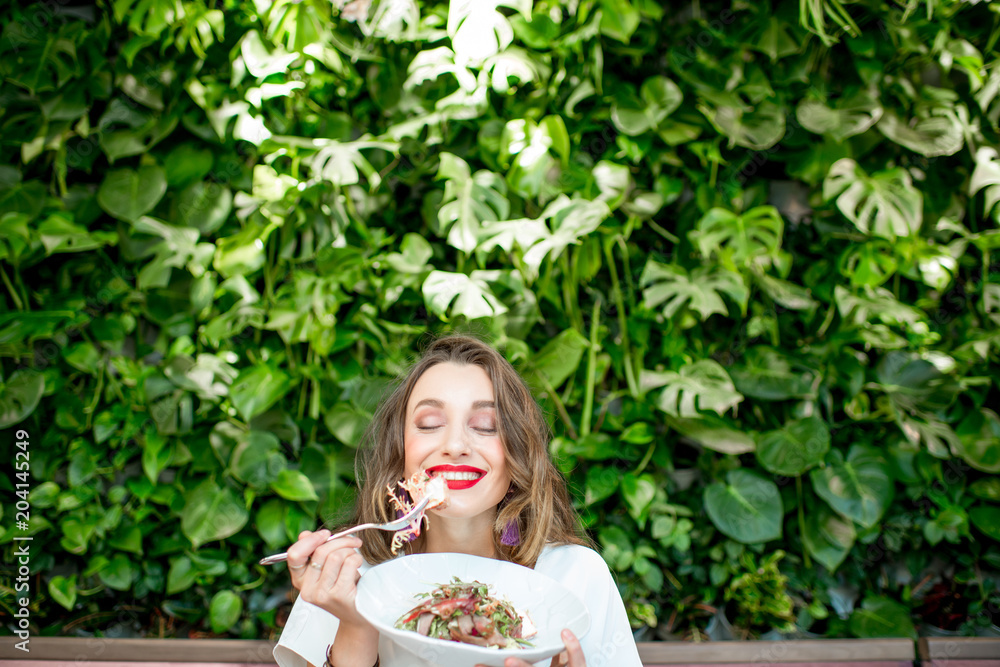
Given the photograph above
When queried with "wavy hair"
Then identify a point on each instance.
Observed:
(538, 501)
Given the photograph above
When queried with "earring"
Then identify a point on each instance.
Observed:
(511, 535)
(400, 513)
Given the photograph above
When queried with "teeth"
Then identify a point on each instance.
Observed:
(460, 475)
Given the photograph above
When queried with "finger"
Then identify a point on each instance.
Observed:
(560, 660)
(299, 553)
(345, 585)
(573, 649)
(515, 662)
(328, 563)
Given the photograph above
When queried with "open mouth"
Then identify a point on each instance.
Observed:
(458, 477)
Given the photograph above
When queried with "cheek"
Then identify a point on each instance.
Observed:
(496, 457)
(412, 455)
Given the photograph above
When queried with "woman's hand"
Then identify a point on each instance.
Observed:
(571, 657)
(326, 573)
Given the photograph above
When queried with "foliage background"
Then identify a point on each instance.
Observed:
(743, 251)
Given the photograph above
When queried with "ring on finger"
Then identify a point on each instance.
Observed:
(296, 567)
(316, 565)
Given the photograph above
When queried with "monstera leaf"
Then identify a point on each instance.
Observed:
(852, 115)
(703, 384)
(876, 304)
(914, 382)
(986, 177)
(478, 30)
(932, 136)
(701, 290)
(883, 204)
(658, 98)
(469, 201)
(342, 163)
(571, 220)
(750, 239)
(474, 297)
(757, 128)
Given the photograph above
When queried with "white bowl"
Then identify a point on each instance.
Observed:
(387, 591)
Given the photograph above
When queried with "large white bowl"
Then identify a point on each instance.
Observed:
(387, 591)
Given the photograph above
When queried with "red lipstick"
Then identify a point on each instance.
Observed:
(458, 484)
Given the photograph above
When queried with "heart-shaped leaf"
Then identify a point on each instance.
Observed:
(771, 375)
(224, 611)
(979, 440)
(212, 513)
(882, 617)
(294, 485)
(987, 519)
(599, 484)
(828, 537)
(127, 194)
(795, 448)
(713, 433)
(859, 488)
(258, 388)
(204, 206)
(19, 395)
(63, 590)
(747, 508)
(561, 356)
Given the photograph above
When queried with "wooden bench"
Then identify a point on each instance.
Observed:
(959, 651)
(62, 651)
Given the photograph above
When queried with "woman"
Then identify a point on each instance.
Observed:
(463, 412)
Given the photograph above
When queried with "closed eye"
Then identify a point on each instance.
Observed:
(489, 431)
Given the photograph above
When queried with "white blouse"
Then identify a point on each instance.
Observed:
(608, 643)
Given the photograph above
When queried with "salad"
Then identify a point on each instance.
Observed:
(421, 484)
(465, 612)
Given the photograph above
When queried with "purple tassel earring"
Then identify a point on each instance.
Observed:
(400, 513)
(511, 535)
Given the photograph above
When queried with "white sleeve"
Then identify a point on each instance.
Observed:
(609, 642)
(306, 635)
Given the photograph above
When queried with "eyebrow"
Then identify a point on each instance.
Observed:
(435, 403)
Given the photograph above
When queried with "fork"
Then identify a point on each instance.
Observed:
(398, 524)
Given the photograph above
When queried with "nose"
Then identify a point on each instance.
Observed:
(456, 442)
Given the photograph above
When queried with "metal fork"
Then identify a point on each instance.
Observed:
(398, 524)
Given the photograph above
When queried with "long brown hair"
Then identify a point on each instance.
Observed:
(539, 501)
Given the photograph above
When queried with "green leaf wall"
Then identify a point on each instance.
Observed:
(744, 252)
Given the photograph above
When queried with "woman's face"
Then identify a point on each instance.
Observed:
(451, 430)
